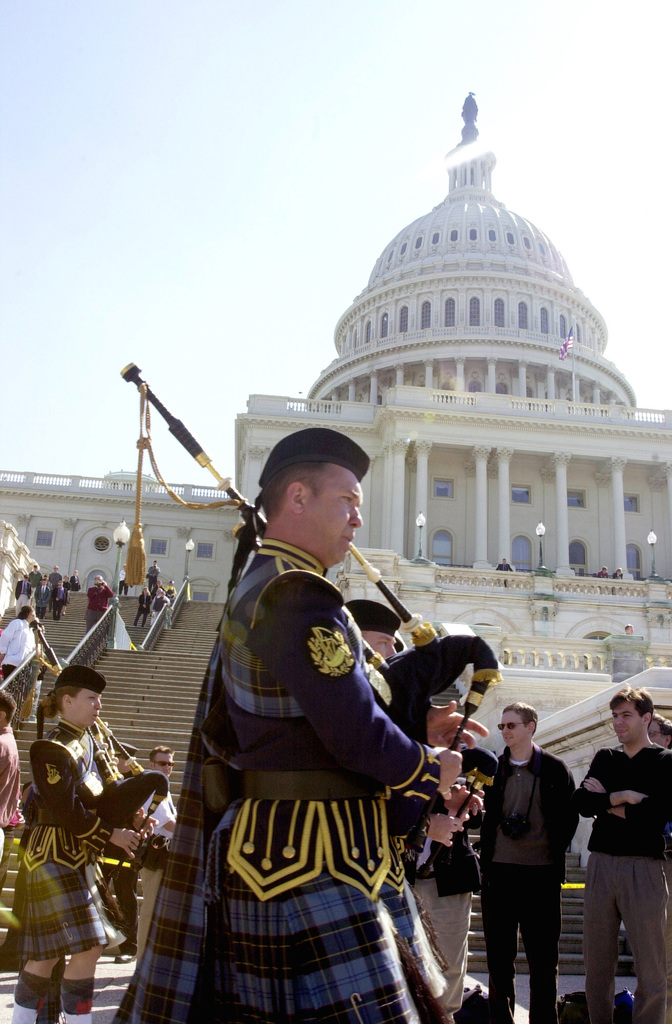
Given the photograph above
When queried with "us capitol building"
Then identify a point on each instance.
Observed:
(447, 372)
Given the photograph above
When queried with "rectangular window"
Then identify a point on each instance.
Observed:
(576, 499)
(443, 488)
(521, 495)
(199, 595)
(44, 539)
(158, 547)
(205, 550)
(631, 502)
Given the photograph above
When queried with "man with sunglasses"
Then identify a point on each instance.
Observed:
(161, 759)
(527, 827)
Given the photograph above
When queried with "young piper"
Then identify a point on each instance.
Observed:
(60, 916)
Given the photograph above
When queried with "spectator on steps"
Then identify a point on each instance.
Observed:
(144, 606)
(99, 595)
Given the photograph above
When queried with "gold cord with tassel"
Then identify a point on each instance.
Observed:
(136, 561)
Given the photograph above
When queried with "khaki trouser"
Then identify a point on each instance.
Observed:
(632, 890)
(450, 916)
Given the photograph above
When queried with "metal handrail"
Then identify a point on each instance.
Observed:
(18, 684)
(92, 644)
(166, 615)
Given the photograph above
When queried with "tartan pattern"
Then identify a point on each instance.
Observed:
(308, 955)
(59, 915)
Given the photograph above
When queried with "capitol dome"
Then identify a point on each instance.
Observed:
(482, 295)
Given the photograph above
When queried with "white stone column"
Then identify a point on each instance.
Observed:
(522, 379)
(668, 474)
(373, 389)
(352, 385)
(550, 383)
(480, 453)
(492, 376)
(561, 515)
(256, 457)
(597, 400)
(541, 386)
(399, 370)
(422, 450)
(429, 373)
(618, 512)
(397, 531)
(504, 456)
(459, 374)
(334, 395)
(386, 498)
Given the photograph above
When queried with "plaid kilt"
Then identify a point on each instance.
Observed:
(59, 916)
(321, 952)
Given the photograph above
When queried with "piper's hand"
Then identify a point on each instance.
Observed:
(139, 819)
(127, 840)
(443, 723)
(457, 797)
(442, 827)
(451, 766)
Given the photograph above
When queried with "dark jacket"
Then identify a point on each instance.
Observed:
(556, 787)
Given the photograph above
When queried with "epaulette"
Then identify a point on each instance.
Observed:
(73, 749)
(292, 577)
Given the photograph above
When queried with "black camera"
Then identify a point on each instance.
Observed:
(515, 826)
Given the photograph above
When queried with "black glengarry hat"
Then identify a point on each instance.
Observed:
(374, 616)
(81, 675)
(315, 444)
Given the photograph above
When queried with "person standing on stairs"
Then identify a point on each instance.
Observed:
(161, 759)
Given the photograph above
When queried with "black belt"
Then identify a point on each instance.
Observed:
(45, 817)
(307, 785)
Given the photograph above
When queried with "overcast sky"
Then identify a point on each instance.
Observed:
(203, 187)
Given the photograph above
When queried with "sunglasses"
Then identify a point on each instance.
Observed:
(165, 764)
(508, 725)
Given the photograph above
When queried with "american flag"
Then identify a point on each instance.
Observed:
(567, 344)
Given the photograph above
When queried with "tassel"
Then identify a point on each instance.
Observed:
(136, 562)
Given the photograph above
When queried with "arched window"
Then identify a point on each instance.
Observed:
(383, 325)
(521, 554)
(577, 557)
(442, 548)
(563, 327)
(474, 385)
(522, 316)
(543, 320)
(426, 315)
(368, 332)
(449, 315)
(355, 338)
(474, 312)
(634, 561)
(577, 334)
(501, 389)
(403, 319)
(499, 312)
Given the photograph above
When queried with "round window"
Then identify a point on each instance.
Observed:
(101, 543)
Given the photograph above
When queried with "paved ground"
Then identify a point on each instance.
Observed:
(112, 979)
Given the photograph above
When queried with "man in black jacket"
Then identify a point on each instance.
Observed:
(528, 824)
(629, 792)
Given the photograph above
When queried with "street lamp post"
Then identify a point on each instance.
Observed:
(188, 548)
(121, 537)
(540, 531)
(651, 539)
(420, 522)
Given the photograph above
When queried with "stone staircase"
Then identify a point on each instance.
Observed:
(571, 939)
(150, 697)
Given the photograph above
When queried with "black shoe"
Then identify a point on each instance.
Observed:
(125, 958)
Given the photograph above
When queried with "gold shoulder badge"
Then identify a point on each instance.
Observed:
(329, 652)
(53, 774)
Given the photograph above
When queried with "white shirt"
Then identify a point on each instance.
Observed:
(17, 642)
(163, 813)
